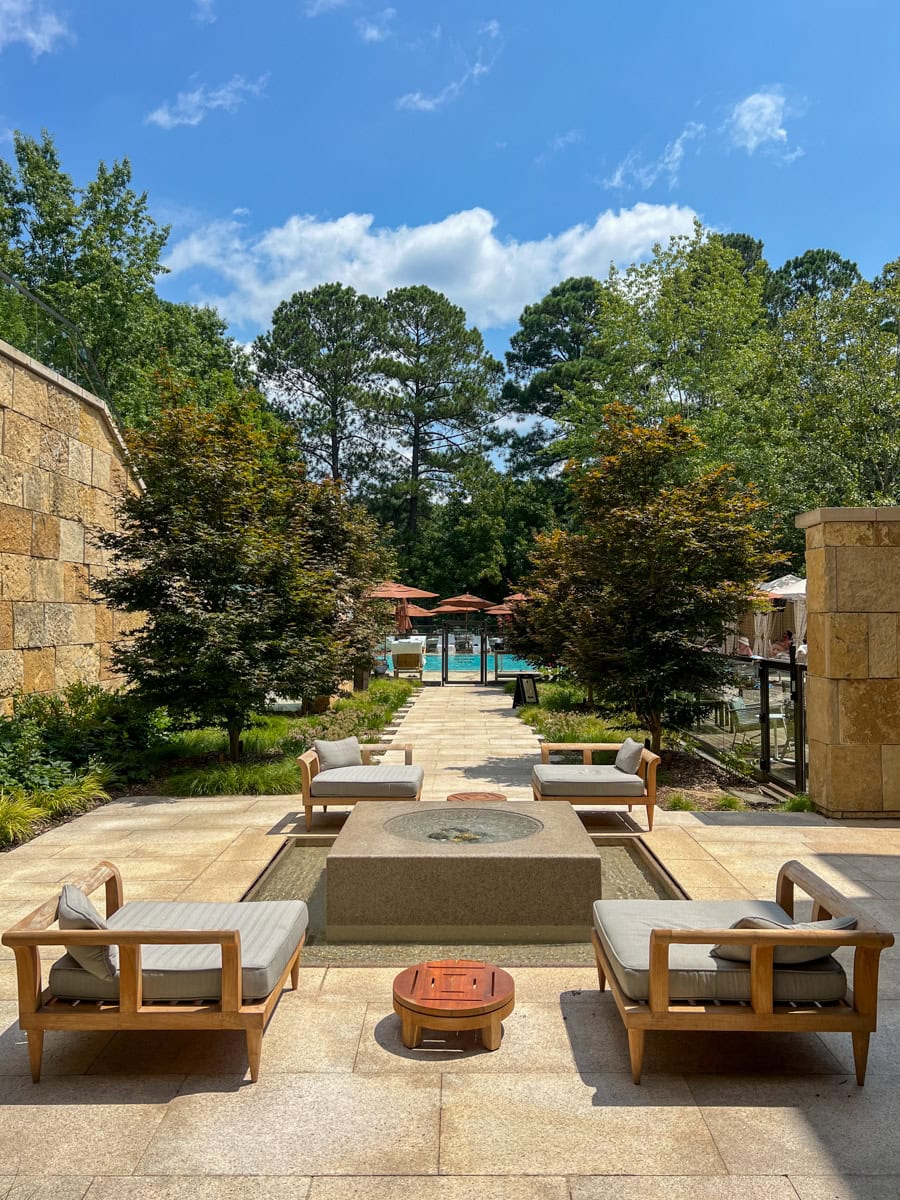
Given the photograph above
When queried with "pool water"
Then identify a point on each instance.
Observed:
(472, 663)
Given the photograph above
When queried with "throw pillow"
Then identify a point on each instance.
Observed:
(75, 911)
(344, 753)
(784, 954)
(629, 757)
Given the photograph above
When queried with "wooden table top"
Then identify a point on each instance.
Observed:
(455, 985)
(475, 797)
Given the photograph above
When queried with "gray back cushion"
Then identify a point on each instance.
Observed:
(75, 911)
(784, 954)
(629, 757)
(344, 753)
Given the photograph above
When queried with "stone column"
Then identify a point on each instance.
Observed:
(853, 692)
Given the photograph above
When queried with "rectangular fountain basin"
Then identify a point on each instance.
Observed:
(471, 873)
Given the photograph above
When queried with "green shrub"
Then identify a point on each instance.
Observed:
(18, 817)
(575, 727)
(730, 804)
(799, 803)
(278, 778)
(76, 796)
(680, 803)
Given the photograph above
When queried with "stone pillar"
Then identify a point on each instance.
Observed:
(853, 681)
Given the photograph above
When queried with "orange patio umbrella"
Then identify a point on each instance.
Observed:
(468, 601)
(515, 598)
(416, 610)
(402, 593)
(499, 610)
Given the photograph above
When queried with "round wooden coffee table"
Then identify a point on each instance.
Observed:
(475, 797)
(453, 994)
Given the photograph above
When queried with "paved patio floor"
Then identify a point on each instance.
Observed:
(343, 1112)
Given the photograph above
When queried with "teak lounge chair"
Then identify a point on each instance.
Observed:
(589, 784)
(345, 786)
(656, 957)
(182, 965)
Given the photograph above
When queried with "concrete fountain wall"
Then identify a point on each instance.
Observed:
(386, 888)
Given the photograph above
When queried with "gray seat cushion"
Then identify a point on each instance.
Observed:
(270, 933)
(624, 927)
(575, 780)
(386, 782)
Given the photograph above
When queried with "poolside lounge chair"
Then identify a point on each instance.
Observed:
(589, 784)
(180, 965)
(408, 658)
(348, 785)
(661, 960)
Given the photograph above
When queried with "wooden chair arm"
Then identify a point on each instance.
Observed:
(586, 749)
(827, 901)
(103, 873)
(369, 748)
(762, 942)
(120, 937)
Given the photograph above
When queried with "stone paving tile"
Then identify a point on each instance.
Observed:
(534, 1039)
(64, 1053)
(300, 1125)
(251, 844)
(556, 1124)
(850, 1187)
(804, 1126)
(43, 1129)
(884, 1044)
(200, 1187)
(424, 1187)
(682, 1187)
(38, 1187)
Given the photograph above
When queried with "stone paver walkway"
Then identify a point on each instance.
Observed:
(343, 1112)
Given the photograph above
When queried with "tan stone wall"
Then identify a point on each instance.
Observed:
(62, 467)
(853, 696)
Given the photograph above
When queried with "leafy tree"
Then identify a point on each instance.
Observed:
(93, 254)
(318, 363)
(665, 553)
(439, 395)
(816, 274)
(749, 248)
(250, 578)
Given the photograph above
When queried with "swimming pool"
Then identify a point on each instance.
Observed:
(471, 663)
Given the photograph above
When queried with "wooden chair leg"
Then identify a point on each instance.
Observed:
(254, 1051)
(649, 818)
(636, 1052)
(295, 974)
(601, 977)
(35, 1052)
(307, 809)
(860, 1055)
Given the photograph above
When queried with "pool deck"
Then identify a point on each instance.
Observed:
(343, 1112)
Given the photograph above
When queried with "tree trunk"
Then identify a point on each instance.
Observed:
(335, 445)
(654, 724)
(412, 524)
(234, 743)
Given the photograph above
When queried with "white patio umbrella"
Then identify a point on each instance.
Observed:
(793, 588)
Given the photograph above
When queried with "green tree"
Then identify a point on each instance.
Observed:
(93, 254)
(749, 248)
(814, 275)
(318, 364)
(439, 395)
(665, 553)
(249, 578)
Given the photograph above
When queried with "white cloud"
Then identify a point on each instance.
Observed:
(32, 23)
(191, 107)
(420, 102)
(758, 121)
(377, 28)
(461, 255)
(490, 29)
(559, 143)
(205, 12)
(633, 171)
(315, 8)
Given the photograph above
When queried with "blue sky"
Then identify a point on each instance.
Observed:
(487, 149)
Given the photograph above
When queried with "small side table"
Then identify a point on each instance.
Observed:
(475, 797)
(453, 994)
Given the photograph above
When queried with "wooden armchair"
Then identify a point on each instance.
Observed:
(599, 785)
(40, 1009)
(346, 786)
(851, 1009)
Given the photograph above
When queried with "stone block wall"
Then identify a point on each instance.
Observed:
(62, 468)
(853, 680)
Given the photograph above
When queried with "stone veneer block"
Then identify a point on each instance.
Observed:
(883, 639)
(48, 576)
(867, 579)
(16, 577)
(28, 625)
(30, 398)
(44, 536)
(12, 484)
(71, 541)
(848, 533)
(869, 711)
(39, 670)
(846, 645)
(822, 713)
(54, 454)
(6, 625)
(15, 530)
(12, 671)
(890, 777)
(37, 490)
(381, 887)
(100, 473)
(76, 586)
(60, 620)
(21, 438)
(820, 580)
(80, 466)
(84, 624)
(74, 663)
(64, 411)
(6, 384)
